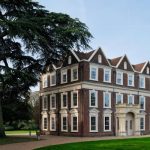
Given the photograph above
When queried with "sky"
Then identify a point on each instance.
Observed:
(118, 26)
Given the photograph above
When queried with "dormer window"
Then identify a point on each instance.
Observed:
(125, 65)
(69, 60)
(99, 58)
(147, 70)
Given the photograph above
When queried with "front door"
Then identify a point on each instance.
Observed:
(130, 124)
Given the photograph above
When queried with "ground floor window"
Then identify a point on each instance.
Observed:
(64, 126)
(93, 124)
(53, 123)
(142, 124)
(74, 123)
(107, 123)
(45, 123)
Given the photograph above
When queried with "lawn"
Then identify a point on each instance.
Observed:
(123, 144)
(9, 140)
(19, 132)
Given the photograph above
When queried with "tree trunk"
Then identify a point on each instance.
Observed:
(2, 130)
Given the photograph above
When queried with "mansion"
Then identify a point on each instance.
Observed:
(91, 95)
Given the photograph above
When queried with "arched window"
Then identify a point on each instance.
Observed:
(147, 70)
(100, 58)
(69, 60)
(125, 65)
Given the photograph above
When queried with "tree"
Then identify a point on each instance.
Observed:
(32, 38)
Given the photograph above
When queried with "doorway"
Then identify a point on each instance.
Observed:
(129, 124)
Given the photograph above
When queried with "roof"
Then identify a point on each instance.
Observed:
(139, 67)
(115, 61)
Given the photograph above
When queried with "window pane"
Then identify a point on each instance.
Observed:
(75, 74)
(74, 99)
(64, 100)
(93, 123)
(107, 75)
(53, 123)
(45, 123)
(142, 101)
(74, 123)
(53, 101)
(106, 123)
(64, 78)
(141, 123)
(93, 73)
(93, 99)
(64, 123)
(107, 101)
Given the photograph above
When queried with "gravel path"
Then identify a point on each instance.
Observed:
(53, 140)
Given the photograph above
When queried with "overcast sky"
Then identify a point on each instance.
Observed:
(119, 26)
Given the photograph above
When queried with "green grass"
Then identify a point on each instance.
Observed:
(123, 144)
(9, 140)
(19, 132)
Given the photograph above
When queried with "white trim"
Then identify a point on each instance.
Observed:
(52, 74)
(53, 116)
(72, 92)
(144, 66)
(130, 74)
(62, 116)
(75, 55)
(109, 116)
(109, 75)
(44, 116)
(99, 58)
(93, 67)
(93, 54)
(73, 68)
(62, 107)
(96, 122)
(140, 77)
(140, 102)
(45, 98)
(74, 115)
(104, 94)
(117, 72)
(117, 94)
(53, 95)
(96, 97)
(132, 99)
(64, 72)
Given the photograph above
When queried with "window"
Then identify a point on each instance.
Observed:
(45, 81)
(93, 124)
(64, 100)
(142, 82)
(53, 102)
(107, 75)
(147, 70)
(93, 73)
(119, 78)
(100, 58)
(74, 73)
(93, 98)
(64, 76)
(64, 126)
(74, 123)
(69, 60)
(119, 98)
(130, 80)
(130, 99)
(45, 123)
(45, 103)
(107, 123)
(53, 123)
(74, 99)
(142, 102)
(125, 65)
(53, 79)
(142, 123)
(107, 100)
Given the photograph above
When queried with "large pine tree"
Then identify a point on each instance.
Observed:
(32, 38)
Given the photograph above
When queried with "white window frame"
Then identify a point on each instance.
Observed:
(52, 74)
(43, 99)
(129, 74)
(62, 100)
(125, 65)
(64, 115)
(132, 99)
(69, 60)
(44, 116)
(109, 116)
(74, 115)
(96, 123)
(64, 72)
(96, 78)
(104, 95)
(53, 116)
(119, 94)
(140, 102)
(109, 75)
(147, 70)
(75, 67)
(140, 77)
(99, 58)
(121, 77)
(45, 78)
(143, 124)
(54, 95)
(96, 97)
(72, 106)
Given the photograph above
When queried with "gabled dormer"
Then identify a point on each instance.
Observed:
(146, 68)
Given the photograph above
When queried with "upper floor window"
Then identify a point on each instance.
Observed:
(142, 102)
(125, 65)
(130, 79)
(64, 100)
(74, 99)
(45, 102)
(45, 81)
(131, 99)
(69, 60)
(107, 100)
(64, 76)
(93, 73)
(119, 78)
(147, 70)
(74, 73)
(100, 58)
(119, 98)
(53, 102)
(93, 98)
(53, 79)
(142, 82)
(107, 75)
